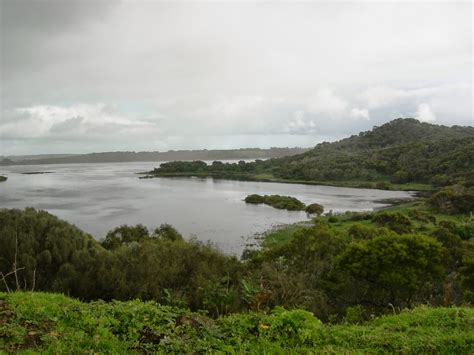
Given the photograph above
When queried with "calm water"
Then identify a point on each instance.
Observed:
(99, 197)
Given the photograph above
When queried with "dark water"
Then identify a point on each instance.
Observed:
(99, 197)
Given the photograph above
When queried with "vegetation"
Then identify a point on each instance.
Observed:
(52, 255)
(3, 178)
(281, 202)
(308, 287)
(314, 208)
(400, 257)
(37, 172)
(398, 280)
(285, 202)
(388, 157)
(454, 199)
(54, 323)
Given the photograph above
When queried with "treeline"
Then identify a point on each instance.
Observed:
(117, 157)
(401, 151)
(359, 264)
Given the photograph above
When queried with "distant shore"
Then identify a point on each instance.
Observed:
(125, 157)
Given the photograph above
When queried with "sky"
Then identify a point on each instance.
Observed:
(80, 76)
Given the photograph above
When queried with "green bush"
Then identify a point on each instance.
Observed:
(453, 199)
(394, 268)
(255, 198)
(277, 201)
(395, 221)
(314, 208)
(54, 324)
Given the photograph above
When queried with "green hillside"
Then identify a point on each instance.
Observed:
(56, 324)
(399, 152)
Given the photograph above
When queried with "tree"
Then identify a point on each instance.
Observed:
(167, 232)
(125, 234)
(395, 221)
(393, 268)
(314, 208)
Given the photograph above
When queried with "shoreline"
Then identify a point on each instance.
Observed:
(370, 185)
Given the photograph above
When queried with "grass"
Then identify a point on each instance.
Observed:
(56, 324)
(282, 234)
(341, 223)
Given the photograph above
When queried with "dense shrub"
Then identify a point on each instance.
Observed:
(277, 201)
(395, 221)
(53, 255)
(394, 268)
(453, 199)
(255, 198)
(314, 208)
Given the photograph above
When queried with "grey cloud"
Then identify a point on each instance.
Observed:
(51, 16)
(67, 126)
(291, 72)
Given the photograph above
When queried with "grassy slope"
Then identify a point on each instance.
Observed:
(54, 323)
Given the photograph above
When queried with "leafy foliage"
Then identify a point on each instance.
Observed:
(394, 268)
(454, 199)
(378, 261)
(314, 208)
(277, 201)
(130, 263)
(52, 323)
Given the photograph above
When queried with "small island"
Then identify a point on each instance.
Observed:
(285, 203)
(36, 172)
(3, 178)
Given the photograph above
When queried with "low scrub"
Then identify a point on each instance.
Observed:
(53, 323)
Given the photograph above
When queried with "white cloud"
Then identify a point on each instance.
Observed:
(358, 113)
(300, 123)
(326, 102)
(381, 96)
(424, 113)
(69, 121)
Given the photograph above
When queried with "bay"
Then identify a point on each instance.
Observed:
(99, 197)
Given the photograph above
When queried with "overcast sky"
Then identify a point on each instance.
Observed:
(83, 76)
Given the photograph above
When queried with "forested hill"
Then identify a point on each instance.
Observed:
(401, 151)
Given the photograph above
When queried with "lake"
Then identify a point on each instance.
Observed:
(99, 197)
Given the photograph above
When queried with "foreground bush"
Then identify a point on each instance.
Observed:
(54, 323)
(53, 255)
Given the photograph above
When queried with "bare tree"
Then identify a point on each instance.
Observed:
(15, 272)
